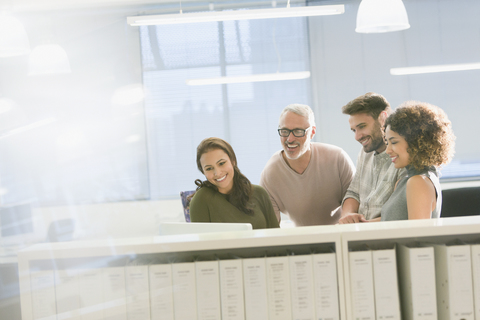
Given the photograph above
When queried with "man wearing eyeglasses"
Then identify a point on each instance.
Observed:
(306, 180)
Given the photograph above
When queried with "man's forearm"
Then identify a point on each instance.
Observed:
(350, 205)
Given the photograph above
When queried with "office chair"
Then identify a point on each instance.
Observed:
(61, 230)
(186, 203)
(460, 202)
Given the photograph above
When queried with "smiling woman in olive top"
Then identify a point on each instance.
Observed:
(227, 195)
(419, 138)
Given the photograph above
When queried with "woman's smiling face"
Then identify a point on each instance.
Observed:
(218, 169)
(397, 148)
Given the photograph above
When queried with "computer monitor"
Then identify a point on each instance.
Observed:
(172, 228)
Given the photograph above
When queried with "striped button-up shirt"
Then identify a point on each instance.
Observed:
(373, 182)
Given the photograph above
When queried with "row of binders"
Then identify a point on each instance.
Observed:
(281, 288)
(417, 281)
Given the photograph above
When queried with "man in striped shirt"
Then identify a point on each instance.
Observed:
(375, 176)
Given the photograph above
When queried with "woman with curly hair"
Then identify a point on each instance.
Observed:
(419, 137)
(227, 195)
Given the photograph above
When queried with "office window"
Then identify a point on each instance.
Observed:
(179, 116)
(64, 138)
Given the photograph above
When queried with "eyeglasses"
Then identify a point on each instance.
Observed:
(296, 132)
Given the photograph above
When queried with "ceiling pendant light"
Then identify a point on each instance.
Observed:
(13, 37)
(250, 78)
(378, 16)
(48, 59)
(435, 68)
(236, 15)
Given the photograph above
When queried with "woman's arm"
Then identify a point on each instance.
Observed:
(199, 211)
(267, 208)
(421, 197)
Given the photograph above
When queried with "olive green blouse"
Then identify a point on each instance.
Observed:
(209, 205)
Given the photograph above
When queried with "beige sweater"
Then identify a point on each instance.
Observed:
(315, 196)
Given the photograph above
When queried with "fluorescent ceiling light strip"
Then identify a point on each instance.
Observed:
(433, 69)
(235, 15)
(250, 78)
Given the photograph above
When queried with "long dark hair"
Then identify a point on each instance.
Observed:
(242, 188)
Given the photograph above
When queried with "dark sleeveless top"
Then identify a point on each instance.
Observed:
(396, 206)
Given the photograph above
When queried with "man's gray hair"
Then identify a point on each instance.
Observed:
(302, 110)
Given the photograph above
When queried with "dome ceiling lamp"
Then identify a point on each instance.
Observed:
(13, 37)
(48, 59)
(379, 16)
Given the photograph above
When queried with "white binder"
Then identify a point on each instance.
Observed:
(278, 285)
(184, 291)
(161, 291)
(453, 269)
(475, 251)
(208, 290)
(361, 284)
(231, 289)
(114, 295)
(67, 294)
(387, 299)
(43, 295)
(255, 286)
(137, 292)
(326, 286)
(416, 268)
(301, 284)
(91, 295)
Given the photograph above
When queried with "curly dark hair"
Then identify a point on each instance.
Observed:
(428, 133)
(370, 103)
(242, 188)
